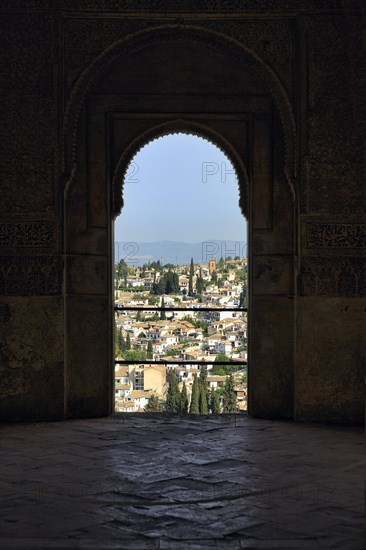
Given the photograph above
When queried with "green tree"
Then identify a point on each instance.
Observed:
(153, 405)
(134, 355)
(128, 342)
(200, 285)
(117, 349)
(215, 402)
(223, 370)
(203, 398)
(190, 283)
(138, 316)
(184, 400)
(229, 396)
(214, 277)
(162, 314)
(121, 341)
(195, 408)
(173, 404)
(221, 357)
(203, 406)
(122, 271)
(218, 370)
(149, 350)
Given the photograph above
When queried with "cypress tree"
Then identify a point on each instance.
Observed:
(173, 401)
(128, 342)
(194, 408)
(190, 283)
(153, 405)
(203, 408)
(117, 350)
(215, 402)
(175, 283)
(199, 284)
(203, 398)
(138, 316)
(229, 396)
(149, 350)
(203, 375)
(184, 400)
(121, 341)
(162, 314)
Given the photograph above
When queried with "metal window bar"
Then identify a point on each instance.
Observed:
(196, 309)
(185, 361)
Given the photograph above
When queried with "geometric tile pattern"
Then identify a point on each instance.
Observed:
(170, 482)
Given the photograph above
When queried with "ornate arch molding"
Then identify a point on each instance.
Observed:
(174, 127)
(173, 33)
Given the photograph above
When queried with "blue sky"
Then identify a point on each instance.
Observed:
(180, 188)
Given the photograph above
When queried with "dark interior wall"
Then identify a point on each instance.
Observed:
(315, 51)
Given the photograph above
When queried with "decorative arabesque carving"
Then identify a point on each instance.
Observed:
(336, 235)
(27, 234)
(88, 38)
(174, 33)
(335, 160)
(164, 6)
(29, 112)
(271, 40)
(30, 275)
(330, 276)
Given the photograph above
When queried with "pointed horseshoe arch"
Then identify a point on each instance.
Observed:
(174, 127)
(97, 148)
(173, 33)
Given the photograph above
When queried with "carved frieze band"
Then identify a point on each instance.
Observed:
(27, 234)
(336, 235)
(174, 6)
(330, 276)
(29, 275)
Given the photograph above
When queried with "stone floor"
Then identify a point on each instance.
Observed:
(140, 482)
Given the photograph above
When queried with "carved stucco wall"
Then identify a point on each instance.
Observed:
(315, 49)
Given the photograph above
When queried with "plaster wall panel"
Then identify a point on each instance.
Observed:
(87, 274)
(271, 346)
(331, 360)
(31, 358)
(88, 359)
(272, 275)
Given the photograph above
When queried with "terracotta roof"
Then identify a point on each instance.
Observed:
(122, 371)
(126, 404)
(122, 387)
(137, 394)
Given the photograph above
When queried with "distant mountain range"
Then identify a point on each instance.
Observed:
(177, 253)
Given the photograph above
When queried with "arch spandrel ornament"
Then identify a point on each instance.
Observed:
(175, 127)
(174, 33)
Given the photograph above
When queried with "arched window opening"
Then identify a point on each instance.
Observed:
(181, 281)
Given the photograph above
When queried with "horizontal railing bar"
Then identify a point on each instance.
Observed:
(196, 309)
(184, 362)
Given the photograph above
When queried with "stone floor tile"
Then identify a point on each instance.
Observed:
(183, 483)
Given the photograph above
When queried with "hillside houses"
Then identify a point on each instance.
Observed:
(187, 339)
